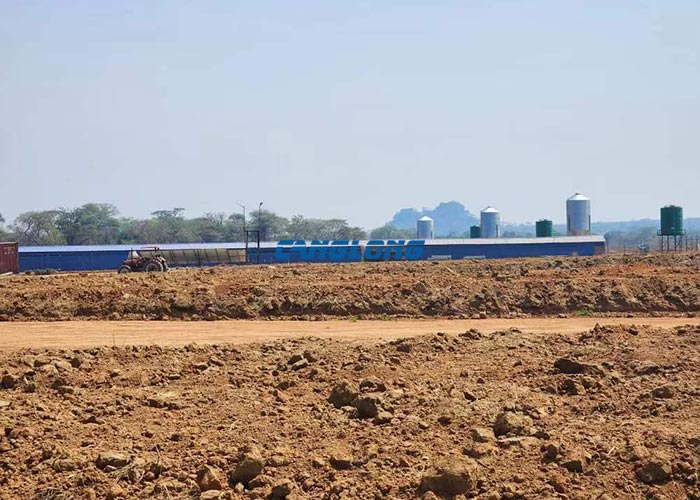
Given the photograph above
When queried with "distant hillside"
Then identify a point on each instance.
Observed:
(691, 225)
(451, 219)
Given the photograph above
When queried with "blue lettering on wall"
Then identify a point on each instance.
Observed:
(348, 250)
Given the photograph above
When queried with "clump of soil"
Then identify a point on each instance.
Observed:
(487, 416)
(614, 285)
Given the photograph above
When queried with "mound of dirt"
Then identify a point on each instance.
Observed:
(659, 284)
(477, 415)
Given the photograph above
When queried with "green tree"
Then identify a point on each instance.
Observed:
(38, 228)
(4, 235)
(234, 228)
(391, 232)
(169, 214)
(301, 228)
(90, 224)
(129, 231)
(210, 228)
(169, 226)
(339, 229)
(272, 226)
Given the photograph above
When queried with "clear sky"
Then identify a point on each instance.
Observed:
(350, 109)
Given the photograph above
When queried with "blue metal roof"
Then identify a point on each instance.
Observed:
(122, 248)
(518, 241)
(273, 244)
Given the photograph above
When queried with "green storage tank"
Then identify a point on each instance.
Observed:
(475, 232)
(672, 221)
(544, 228)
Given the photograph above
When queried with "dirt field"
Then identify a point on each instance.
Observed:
(608, 285)
(580, 380)
(612, 413)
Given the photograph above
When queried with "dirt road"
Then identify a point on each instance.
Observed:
(81, 334)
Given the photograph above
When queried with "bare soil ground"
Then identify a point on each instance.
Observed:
(616, 285)
(83, 334)
(611, 413)
(573, 387)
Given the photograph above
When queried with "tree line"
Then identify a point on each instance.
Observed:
(101, 224)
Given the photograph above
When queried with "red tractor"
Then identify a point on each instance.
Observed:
(154, 263)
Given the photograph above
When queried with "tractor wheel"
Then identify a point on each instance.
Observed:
(153, 267)
(124, 270)
(164, 263)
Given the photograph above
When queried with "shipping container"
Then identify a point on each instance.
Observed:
(9, 258)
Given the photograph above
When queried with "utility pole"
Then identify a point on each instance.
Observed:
(243, 207)
(245, 234)
(259, 227)
(260, 215)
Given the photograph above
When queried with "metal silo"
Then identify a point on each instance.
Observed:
(578, 215)
(490, 223)
(425, 228)
(475, 232)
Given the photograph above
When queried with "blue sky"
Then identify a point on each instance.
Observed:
(350, 109)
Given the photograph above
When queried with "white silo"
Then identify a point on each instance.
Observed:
(490, 223)
(578, 215)
(425, 228)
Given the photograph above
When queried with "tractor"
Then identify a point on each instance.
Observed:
(136, 263)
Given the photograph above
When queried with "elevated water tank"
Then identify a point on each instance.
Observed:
(544, 228)
(425, 228)
(490, 223)
(578, 215)
(475, 232)
(672, 221)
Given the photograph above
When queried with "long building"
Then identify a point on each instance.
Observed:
(94, 258)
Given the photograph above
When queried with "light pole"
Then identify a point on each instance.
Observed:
(245, 233)
(243, 207)
(260, 216)
(259, 227)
